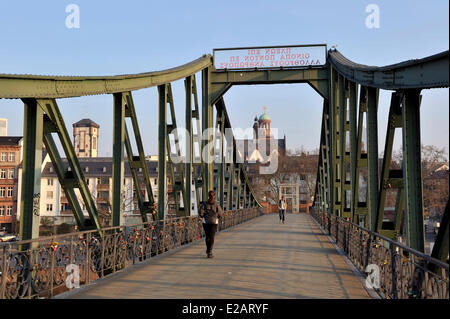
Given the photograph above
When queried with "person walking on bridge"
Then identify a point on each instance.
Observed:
(282, 207)
(210, 212)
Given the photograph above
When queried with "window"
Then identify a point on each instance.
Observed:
(3, 173)
(2, 191)
(50, 181)
(3, 157)
(2, 210)
(10, 191)
(49, 207)
(11, 173)
(49, 195)
(12, 156)
(9, 211)
(94, 143)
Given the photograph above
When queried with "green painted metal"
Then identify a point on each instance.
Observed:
(372, 155)
(188, 82)
(74, 178)
(207, 154)
(440, 248)
(14, 86)
(66, 182)
(31, 170)
(194, 166)
(390, 178)
(177, 180)
(360, 211)
(429, 72)
(335, 197)
(412, 170)
(162, 141)
(353, 100)
(344, 156)
(220, 125)
(138, 162)
(117, 195)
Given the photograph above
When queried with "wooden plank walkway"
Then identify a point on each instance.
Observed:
(258, 259)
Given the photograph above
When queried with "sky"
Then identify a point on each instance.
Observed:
(125, 37)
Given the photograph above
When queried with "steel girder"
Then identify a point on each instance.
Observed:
(391, 179)
(370, 211)
(117, 218)
(138, 163)
(412, 169)
(31, 168)
(176, 174)
(429, 72)
(38, 128)
(162, 155)
(16, 86)
(440, 248)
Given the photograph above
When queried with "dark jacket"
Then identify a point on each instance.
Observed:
(211, 212)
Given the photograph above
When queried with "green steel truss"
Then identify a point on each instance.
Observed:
(46, 119)
(350, 110)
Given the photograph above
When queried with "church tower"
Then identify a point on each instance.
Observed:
(85, 138)
(264, 123)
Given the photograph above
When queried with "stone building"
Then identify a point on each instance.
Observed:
(10, 158)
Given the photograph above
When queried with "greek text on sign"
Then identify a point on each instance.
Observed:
(275, 57)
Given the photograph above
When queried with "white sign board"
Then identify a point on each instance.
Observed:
(270, 57)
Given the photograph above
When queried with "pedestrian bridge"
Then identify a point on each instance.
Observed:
(293, 260)
(258, 259)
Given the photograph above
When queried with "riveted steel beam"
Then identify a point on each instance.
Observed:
(219, 136)
(188, 83)
(360, 210)
(429, 72)
(117, 194)
(138, 163)
(162, 156)
(175, 161)
(440, 248)
(391, 179)
(207, 154)
(31, 170)
(353, 100)
(372, 154)
(14, 86)
(412, 170)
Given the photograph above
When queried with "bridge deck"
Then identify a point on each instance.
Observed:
(258, 259)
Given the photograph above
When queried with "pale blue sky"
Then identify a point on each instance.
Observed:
(138, 36)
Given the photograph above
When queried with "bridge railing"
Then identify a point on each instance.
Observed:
(398, 272)
(55, 264)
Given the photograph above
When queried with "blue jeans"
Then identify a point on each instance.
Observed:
(282, 214)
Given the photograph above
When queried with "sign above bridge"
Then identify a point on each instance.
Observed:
(270, 57)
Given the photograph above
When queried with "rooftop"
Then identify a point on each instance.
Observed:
(86, 123)
(10, 140)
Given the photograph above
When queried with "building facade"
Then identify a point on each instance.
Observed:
(3, 127)
(98, 174)
(10, 158)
